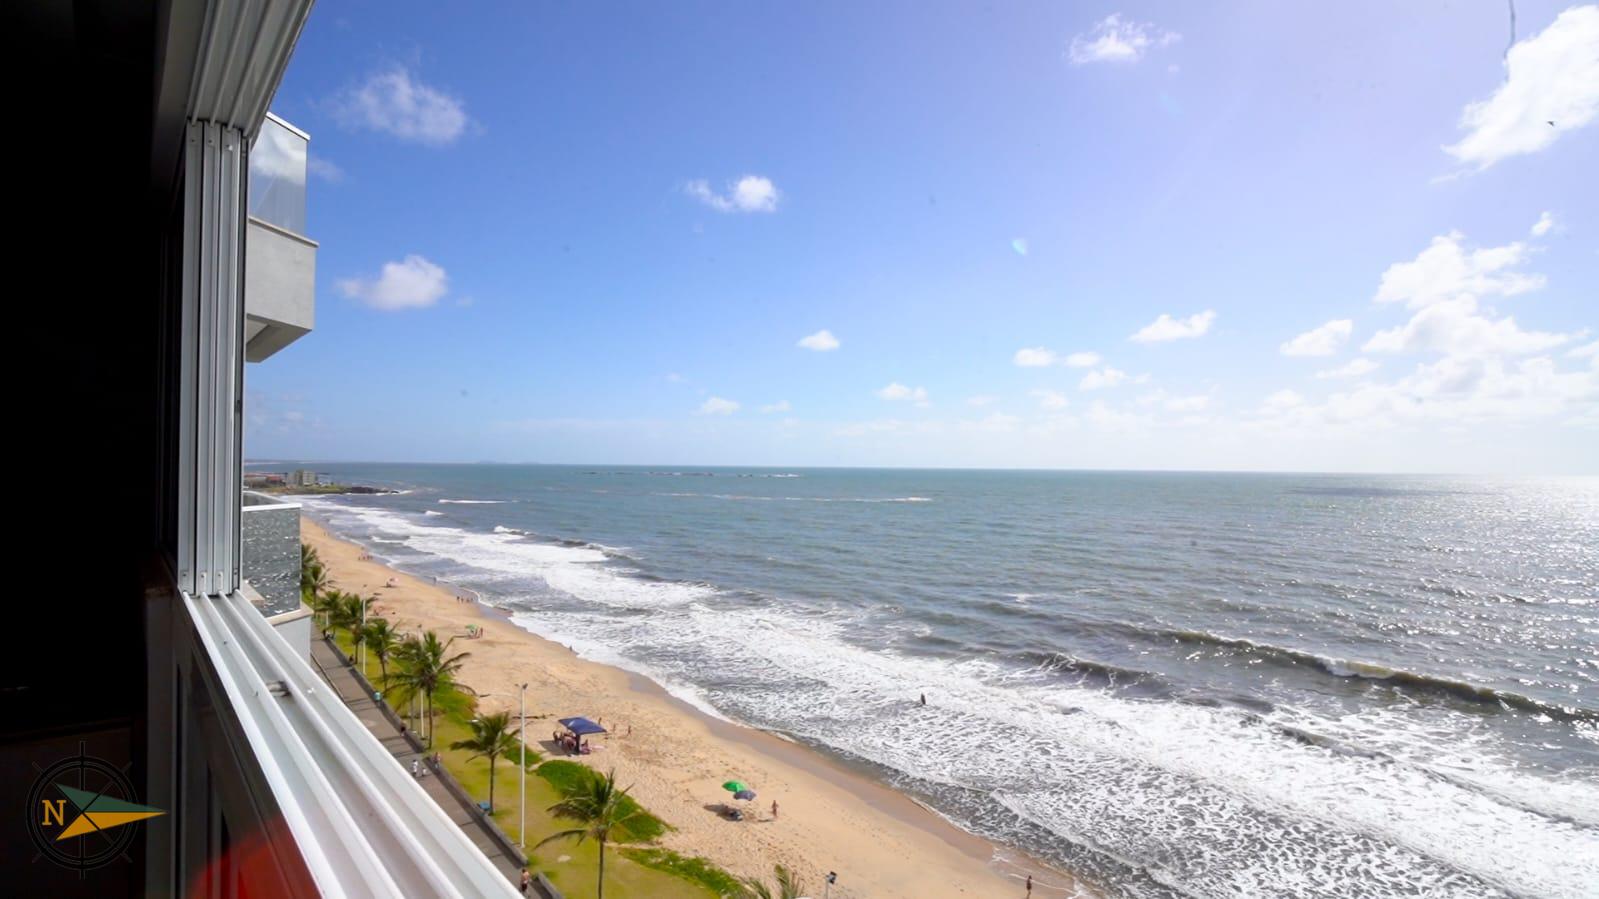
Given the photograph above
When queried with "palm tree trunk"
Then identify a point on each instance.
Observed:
(600, 892)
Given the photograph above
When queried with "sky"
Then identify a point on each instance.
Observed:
(1249, 236)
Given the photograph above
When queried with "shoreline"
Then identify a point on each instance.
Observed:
(676, 755)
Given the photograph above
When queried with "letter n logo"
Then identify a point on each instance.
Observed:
(56, 809)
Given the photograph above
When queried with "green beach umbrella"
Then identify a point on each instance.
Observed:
(734, 786)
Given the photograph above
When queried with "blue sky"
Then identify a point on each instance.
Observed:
(1257, 236)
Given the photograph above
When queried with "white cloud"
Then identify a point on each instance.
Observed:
(751, 193)
(1050, 399)
(1167, 328)
(717, 406)
(1283, 399)
(394, 102)
(982, 399)
(1034, 357)
(1115, 39)
(1551, 87)
(822, 341)
(1322, 341)
(1043, 357)
(994, 423)
(1355, 368)
(324, 168)
(411, 283)
(1588, 351)
(279, 155)
(896, 391)
(1545, 224)
(1196, 403)
(1447, 271)
(1453, 391)
(1105, 418)
(1101, 378)
(1455, 328)
(779, 406)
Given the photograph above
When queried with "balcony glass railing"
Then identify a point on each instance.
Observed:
(277, 176)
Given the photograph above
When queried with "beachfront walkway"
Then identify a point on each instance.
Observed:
(342, 679)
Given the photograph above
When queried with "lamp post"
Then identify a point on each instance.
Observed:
(521, 714)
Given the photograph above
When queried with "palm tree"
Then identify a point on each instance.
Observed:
(384, 641)
(489, 740)
(348, 611)
(600, 808)
(313, 578)
(322, 604)
(308, 556)
(788, 886)
(426, 669)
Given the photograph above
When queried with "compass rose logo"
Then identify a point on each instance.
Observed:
(79, 810)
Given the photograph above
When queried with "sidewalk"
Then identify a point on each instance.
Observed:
(343, 681)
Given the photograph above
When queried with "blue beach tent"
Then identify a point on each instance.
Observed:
(581, 726)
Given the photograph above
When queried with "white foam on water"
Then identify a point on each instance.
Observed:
(1201, 797)
(474, 502)
(745, 497)
(1210, 801)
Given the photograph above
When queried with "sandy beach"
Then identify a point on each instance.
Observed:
(675, 758)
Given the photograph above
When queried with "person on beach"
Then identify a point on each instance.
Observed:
(774, 809)
(1029, 886)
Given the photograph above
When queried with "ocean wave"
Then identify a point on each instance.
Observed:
(1197, 796)
(698, 474)
(1396, 677)
(745, 497)
(1209, 804)
(474, 502)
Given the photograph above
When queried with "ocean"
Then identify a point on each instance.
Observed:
(1173, 684)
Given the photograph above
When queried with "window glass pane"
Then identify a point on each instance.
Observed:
(277, 177)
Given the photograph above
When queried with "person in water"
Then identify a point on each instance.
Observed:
(924, 699)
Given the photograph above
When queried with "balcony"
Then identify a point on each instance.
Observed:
(269, 561)
(279, 260)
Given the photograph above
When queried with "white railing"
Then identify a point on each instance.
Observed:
(363, 825)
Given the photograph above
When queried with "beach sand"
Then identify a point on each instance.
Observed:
(676, 758)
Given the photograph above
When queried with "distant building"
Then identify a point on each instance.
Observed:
(303, 477)
(264, 479)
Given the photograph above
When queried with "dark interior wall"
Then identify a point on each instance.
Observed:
(83, 297)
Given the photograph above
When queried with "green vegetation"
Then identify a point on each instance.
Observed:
(692, 868)
(489, 740)
(642, 872)
(427, 670)
(788, 886)
(597, 805)
(384, 642)
(572, 779)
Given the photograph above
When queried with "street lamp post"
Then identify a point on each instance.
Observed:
(521, 713)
